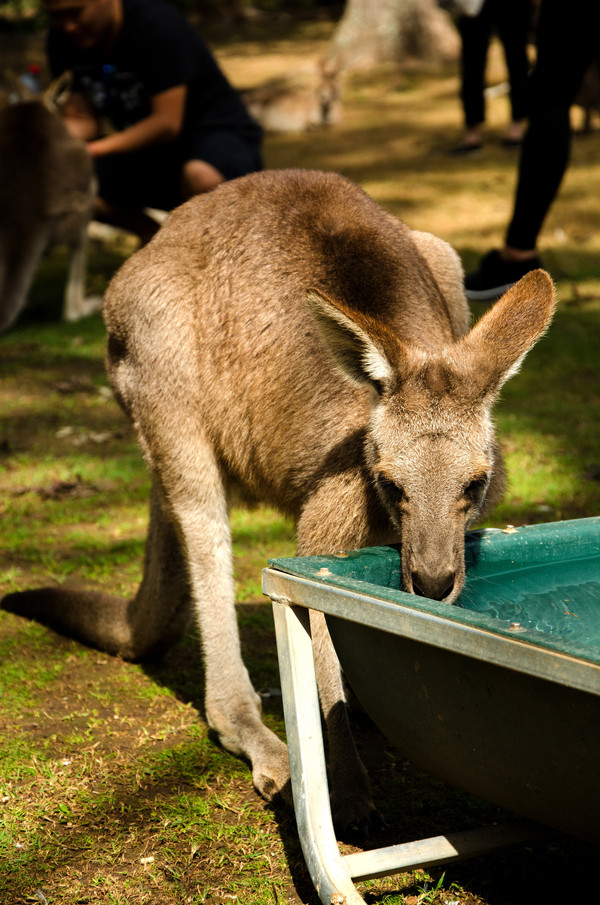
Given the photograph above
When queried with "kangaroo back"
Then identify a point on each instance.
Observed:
(238, 273)
(47, 190)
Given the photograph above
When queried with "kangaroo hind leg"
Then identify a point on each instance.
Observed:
(18, 261)
(200, 506)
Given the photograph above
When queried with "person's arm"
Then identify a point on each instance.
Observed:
(164, 123)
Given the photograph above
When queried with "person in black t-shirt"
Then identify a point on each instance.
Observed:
(158, 115)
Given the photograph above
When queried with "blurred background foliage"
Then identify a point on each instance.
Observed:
(28, 15)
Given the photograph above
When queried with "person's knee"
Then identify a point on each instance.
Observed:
(199, 176)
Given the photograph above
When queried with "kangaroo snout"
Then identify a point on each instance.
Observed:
(438, 585)
(433, 562)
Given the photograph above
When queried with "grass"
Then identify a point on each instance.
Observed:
(111, 790)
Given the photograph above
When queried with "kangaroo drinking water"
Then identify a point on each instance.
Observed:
(47, 190)
(287, 338)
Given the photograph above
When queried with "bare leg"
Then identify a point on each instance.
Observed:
(198, 177)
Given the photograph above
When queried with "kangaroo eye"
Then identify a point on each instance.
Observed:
(393, 492)
(476, 488)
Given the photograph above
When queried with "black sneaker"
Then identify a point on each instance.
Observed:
(495, 276)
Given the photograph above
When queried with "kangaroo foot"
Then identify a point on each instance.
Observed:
(270, 767)
(268, 755)
(352, 807)
(355, 816)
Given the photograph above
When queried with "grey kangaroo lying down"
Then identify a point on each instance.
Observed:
(286, 337)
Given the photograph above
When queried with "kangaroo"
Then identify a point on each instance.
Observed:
(286, 337)
(47, 190)
(304, 100)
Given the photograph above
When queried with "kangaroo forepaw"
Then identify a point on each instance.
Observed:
(274, 789)
(355, 815)
(271, 772)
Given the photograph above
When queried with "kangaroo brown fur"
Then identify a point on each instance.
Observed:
(286, 337)
(47, 190)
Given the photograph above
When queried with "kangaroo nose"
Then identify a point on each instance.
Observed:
(437, 587)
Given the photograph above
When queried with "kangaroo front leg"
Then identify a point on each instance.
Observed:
(351, 801)
(340, 517)
(76, 305)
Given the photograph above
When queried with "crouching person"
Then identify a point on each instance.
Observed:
(160, 118)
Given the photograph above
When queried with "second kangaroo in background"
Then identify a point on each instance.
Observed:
(304, 99)
(286, 337)
(47, 191)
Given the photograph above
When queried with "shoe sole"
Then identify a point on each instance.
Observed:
(466, 152)
(487, 295)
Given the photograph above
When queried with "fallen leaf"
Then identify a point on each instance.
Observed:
(61, 490)
(75, 384)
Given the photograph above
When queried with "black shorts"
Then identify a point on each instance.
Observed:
(152, 177)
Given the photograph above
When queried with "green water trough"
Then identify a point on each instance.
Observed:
(498, 695)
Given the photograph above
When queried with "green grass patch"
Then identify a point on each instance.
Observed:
(111, 788)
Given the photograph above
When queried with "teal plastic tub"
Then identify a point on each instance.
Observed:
(498, 694)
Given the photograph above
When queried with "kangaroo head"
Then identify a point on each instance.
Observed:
(431, 446)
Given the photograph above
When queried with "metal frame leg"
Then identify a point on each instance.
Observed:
(332, 873)
(307, 758)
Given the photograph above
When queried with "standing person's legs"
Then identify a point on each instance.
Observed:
(566, 47)
(567, 44)
(513, 20)
(475, 33)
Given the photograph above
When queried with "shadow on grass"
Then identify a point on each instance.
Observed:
(129, 817)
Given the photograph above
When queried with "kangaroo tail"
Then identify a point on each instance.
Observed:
(97, 619)
(142, 628)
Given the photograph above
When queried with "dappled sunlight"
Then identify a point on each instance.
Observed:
(393, 139)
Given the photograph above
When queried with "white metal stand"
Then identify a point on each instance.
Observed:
(333, 874)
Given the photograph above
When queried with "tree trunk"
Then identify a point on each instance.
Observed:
(393, 31)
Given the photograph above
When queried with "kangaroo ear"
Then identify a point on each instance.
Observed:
(356, 351)
(499, 342)
(57, 93)
(16, 90)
